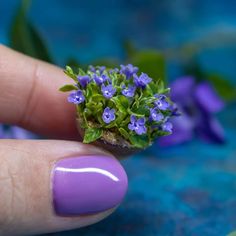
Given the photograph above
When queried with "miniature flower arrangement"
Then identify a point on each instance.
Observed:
(119, 107)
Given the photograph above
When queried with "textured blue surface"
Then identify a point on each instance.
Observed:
(185, 190)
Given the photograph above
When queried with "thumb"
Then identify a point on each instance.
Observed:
(48, 186)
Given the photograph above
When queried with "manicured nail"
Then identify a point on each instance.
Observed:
(87, 185)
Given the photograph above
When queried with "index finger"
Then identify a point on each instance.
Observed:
(29, 96)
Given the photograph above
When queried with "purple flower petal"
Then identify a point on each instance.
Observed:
(156, 116)
(162, 102)
(108, 115)
(137, 125)
(76, 97)
(207, 98)
(167, 127)
(108, 91)
(141, 121)
(182, 131)
(128, 70)
(211, 130)
(19, 133)
(83, 80)
(133, 119)
(142, 81)
(182, 89)
(1, 131)
(128, 92)
(100, 79)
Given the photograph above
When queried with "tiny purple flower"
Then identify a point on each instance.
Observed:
(108, 91)
(142, 80)
(128, 92)
(162, 102)
(108, 115)
(97, 68)
(128, 70)
(76, 97)
(156, 116)
(100, 79)
(167, 127)
(115, 70)
(92, 68)
(101, 69)
(137, 125)
(83, 80)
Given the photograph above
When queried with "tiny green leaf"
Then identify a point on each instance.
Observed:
(124, 133)
(121, 102)
(81, 72)
(135, 113)
(92, 134)
(139, 141)
(69, 72)
(97, 98)
(68, 87)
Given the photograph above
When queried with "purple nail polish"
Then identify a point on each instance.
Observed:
(87, 185)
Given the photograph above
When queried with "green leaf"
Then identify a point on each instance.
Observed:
(139, 141)
(150, 62)
(124, 133)
(232, 233)
(25, 38)
(81, 72)
(141, 111)
(91, 90)
(94, 107)
(225, 89)
(92, 134)
(121, 102)
(97, 98)
(141, 114)
(69, 72)
(68, 87)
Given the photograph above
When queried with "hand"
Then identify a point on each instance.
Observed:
(49, 185)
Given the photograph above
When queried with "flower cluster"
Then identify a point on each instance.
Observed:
(198, 104)
(123, 101)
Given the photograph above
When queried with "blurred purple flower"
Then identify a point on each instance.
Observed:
(142, 81)
(100, 79)
(115, 70)
(108, 115)
(162, 102)
(137, 125)
(128, 70)
(97, 68)
(108, 91)
(83, 80)
(1, 132)
(128, 92)
(76, 97)
(14, 132)
(197, 103)
(156, 115)
(167, 127)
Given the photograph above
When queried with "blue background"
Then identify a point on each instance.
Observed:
(184, 190)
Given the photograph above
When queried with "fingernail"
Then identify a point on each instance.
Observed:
(87, 185)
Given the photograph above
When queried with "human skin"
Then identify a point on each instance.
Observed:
(29, 98)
